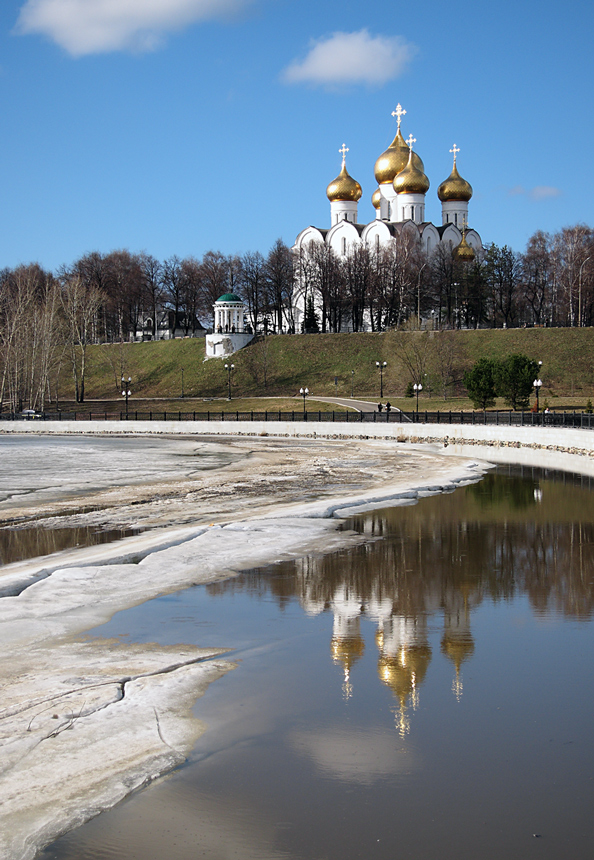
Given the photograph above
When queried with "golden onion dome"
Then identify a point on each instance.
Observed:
(411, 180)
(457, 648)
(403, 673)
(454, 187)
(376, 198)
(463, 253)
(395, 159)
(347, 649)
(344, 187)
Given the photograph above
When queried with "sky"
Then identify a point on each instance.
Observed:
(182, 126)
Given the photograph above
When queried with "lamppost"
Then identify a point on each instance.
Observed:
(229, 368)
(380, 366)
(417, 388)
(537, 384)
(304, 392)
(126, 392)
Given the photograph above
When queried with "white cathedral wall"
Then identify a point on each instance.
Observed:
(412, 206)
(454, 212)
(343, 210)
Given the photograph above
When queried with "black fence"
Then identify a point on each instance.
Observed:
(582, 420)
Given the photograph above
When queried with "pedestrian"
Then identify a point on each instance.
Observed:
(388, 407)
(379, 407)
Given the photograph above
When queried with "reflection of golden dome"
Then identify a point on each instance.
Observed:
(344, 187)
(404, 671)
(376, 198)
(457, 648)
(395, 159)
(347, 650)
(454, 187)
(411, 180)
(463, 253)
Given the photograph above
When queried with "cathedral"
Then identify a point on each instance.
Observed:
(399, 203)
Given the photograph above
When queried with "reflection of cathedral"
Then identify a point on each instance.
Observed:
(399, 203)
(402, 637)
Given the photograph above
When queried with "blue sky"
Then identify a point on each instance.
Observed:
(181, 126)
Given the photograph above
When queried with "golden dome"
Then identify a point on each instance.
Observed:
(411, 180)
(376, 198)
(403, 672)
(344, 187)
(394, 159)
(463, 253)
(454, 187)
(457, 648)
(347, 649)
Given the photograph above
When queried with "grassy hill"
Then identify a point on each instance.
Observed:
(336, 364)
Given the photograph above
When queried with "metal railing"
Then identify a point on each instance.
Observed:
(582, 420)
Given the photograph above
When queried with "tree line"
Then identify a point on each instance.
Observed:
(550, 284)
(48, 319)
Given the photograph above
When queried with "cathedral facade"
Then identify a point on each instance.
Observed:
(399, 203)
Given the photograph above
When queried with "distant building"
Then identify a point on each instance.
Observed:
(167, 325)
(399, 203)
(230, 332)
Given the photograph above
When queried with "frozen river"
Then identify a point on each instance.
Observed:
(423, 695)
(410, 680)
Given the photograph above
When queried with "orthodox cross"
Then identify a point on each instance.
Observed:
(455, 150)
(343, 151)
(410, 140)
(399, 112)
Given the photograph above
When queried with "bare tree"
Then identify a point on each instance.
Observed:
(81, 303)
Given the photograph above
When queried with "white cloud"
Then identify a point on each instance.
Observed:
(539, 192)
(351, 58)
(97, 26)
(542, 192)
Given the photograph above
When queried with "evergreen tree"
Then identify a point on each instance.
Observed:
(480, 383)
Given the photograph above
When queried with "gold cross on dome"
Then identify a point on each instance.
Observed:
(455, 150)
(410, 140)
(343, 151)
(399, 112)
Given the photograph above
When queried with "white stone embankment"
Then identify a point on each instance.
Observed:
(561, 448)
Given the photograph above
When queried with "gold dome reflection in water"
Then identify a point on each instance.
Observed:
(503, 536)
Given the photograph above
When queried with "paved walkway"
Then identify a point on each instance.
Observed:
(359, 405)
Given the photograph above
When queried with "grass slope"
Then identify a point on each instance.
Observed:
(335, 364)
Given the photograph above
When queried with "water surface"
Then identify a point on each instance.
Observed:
(427, 694)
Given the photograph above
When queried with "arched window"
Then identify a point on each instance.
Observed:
(344, 246)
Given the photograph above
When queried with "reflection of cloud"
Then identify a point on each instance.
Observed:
(351, 58)
(362, 757)
(95, 26)
(539, 192)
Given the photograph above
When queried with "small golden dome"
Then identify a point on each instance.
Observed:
(463, 253)
(411, 180)
(394, 159)
(454, 187)
(376, 198)
(344, 187)
(457, 648)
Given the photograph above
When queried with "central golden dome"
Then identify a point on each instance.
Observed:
(394, 159)
(411, 180)
(454, 187)
(344, 187)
